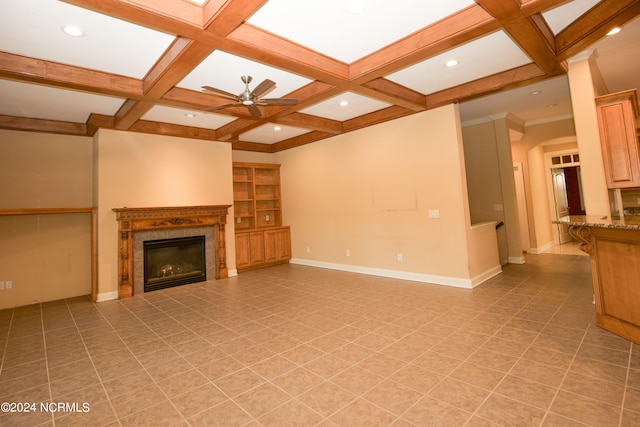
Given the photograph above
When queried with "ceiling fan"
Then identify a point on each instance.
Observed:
(250, 98)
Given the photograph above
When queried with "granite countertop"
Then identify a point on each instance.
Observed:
(628, 222)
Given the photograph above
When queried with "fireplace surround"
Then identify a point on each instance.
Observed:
(137, 222)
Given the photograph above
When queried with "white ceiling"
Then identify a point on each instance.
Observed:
(333, 28)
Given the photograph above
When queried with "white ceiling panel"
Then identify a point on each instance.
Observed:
(348, 30)
(270, 133)
(33, 101)
(559, 17)
(34, 28)
(483, 57)
(223, 71)
(356, 105)
(179, 116)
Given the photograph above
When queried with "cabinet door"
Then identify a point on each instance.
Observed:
(243, 250)
(277, 245)
(257, 248)
(616, 120)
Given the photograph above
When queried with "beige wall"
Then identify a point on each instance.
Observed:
(369, 192)
(140, 170)
(46, 257)
(483, 179)
(583, 92)
(530, 151)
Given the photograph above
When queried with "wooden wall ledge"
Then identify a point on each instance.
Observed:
(45, 211)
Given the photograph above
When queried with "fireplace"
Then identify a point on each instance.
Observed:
(174, 262)
(137, 225)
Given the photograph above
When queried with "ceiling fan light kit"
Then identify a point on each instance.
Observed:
(250, 98)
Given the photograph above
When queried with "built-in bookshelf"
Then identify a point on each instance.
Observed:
(261, 239)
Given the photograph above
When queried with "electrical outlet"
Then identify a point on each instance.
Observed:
(267, 218)
(399, 255)
(239, 220)
(348, 252)
(308, 250)
(8, 284)
(434, 213)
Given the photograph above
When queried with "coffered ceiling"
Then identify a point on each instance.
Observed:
(140, 65)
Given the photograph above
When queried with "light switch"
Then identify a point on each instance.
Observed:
(434, 213)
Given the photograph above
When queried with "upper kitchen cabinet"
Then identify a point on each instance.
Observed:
(617, 115)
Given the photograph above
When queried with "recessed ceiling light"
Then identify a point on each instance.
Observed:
(355, 6)
(451, 63)
(72, 30)
(535, 92)
(277, 128)
(190, 115)
(344, 103)
(613, 31)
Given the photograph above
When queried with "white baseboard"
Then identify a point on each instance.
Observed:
(403, 275)
(541, 249)
(516, 260)
(483, 277)
(107, 296)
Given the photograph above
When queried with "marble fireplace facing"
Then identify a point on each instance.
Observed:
(137, 225)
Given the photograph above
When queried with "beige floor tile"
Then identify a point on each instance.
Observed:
(298, 381)
(459, 394)
(326, 348)
(197, 400)
(393, 397)
(431, 412)
(327, 398)
(294, 413)
(506, 411)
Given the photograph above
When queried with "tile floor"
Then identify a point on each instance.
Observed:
(294, 345)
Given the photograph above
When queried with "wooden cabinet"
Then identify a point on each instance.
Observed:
(617, 115)
(615, 268)
(261, 248)
(261, 240)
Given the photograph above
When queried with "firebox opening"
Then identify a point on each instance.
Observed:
(174, 262)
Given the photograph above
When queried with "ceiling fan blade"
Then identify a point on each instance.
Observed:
(220, 107)
(255, 111)
(264, 87)
(278, 101)
(219, 92)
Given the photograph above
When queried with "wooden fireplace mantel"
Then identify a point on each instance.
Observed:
(131, 220)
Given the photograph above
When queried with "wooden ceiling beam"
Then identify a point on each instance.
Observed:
(594, 25)
(158, 128)
(376, 117)
(307, 121)
(397, 94)
(22, 68)
(457, 29)
(178, 18)
(42, 125)
(262, 46)
(300, 140)
(526, 32)
(510, 79)
(252, 146)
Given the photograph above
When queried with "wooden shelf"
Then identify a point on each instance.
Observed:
(261, 240)
(45, 211)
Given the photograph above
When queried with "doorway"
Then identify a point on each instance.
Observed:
(566, 191)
